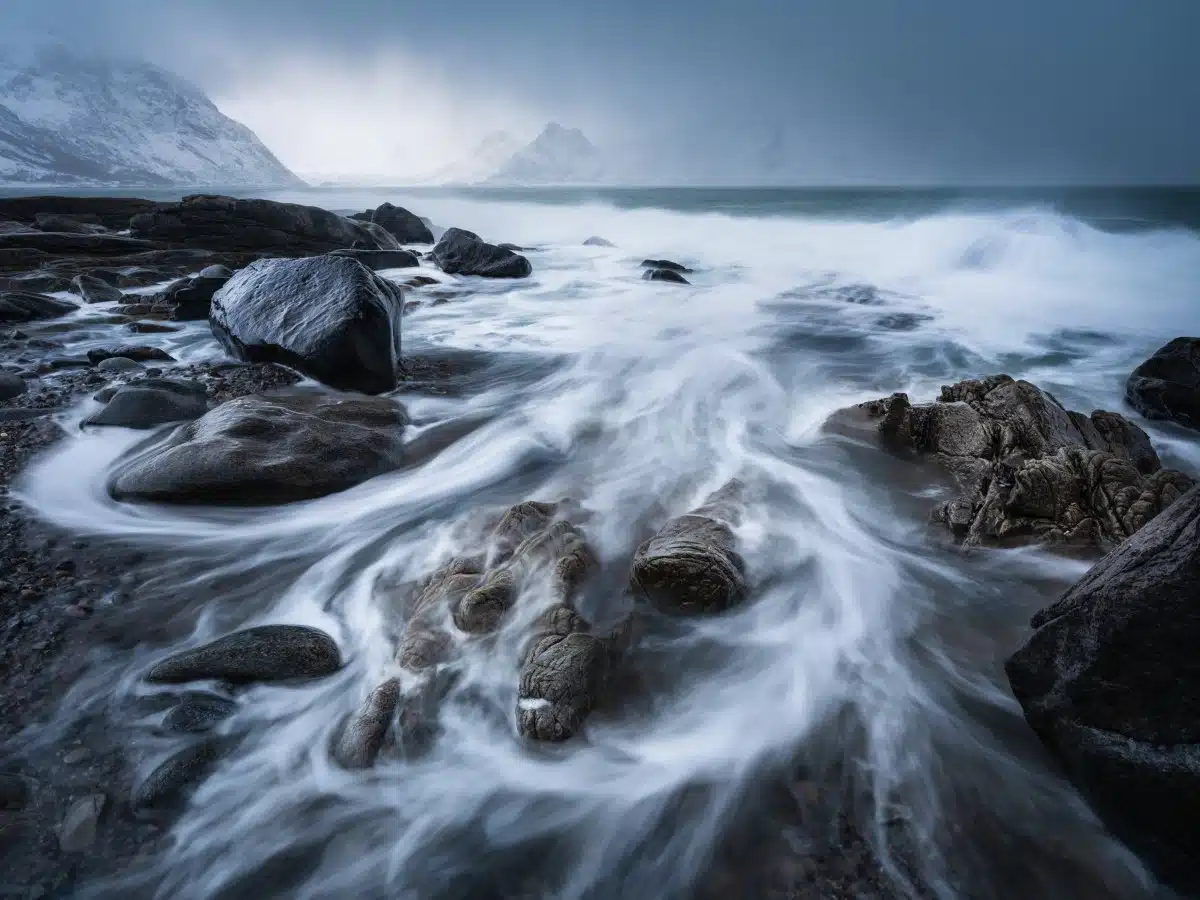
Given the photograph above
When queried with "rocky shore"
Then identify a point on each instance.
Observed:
(310, 402)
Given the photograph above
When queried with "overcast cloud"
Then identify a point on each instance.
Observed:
(896, 91)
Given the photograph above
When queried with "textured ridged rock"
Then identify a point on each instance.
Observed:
(168, 786)
(1110, 681)
(461, 252)
(198, 712)
(329, 317)
(363, 735)
(262, 654)
(692, 566)
(1028, 469)
(1167, 385)
(262, 450)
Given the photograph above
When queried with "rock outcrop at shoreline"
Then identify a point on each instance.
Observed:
(404, 226)
(461, 252)
(328, 316)
(1028, 469)
(1110, 681)
(1167, 385)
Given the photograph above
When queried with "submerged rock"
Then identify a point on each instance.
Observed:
(1167, 385)
(151, 402)
(1110, 681)
(1029, 469)
(168, 786)
(198, 712)
(462, 252)
(692, 566)
(664, 275)
(363, 735)
(95, 290)
(139, 353)
(27, 306)
(79, 827)
(262, 654)
(381, 259)
(215, 222)
(403, 225)
(665, 264)
(329, 317)
(595, 241)
(263, 450)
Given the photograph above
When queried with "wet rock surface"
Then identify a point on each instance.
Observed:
(27, 306)
(692, 566)
(376, 260)
(1167, 385)
(665, 265)
(198, 712)
(168, 786)
(668, 275)
(329, 317)
(1110, 681)
(277, 449)
(150, 402)
(190, 299)
(363, 736)
(262, 654)
(95, 290)
(461, 252)
(1030, 470)
(404, 226)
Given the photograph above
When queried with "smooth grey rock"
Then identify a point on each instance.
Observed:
(363, 734)
(198, 712)
(461, 252)
(135, 353)
(265, 653)
(78, 830)
(27, 306)
(403, 225)
(119, 364)
(329, 317)
(151, 402)
(266, 450)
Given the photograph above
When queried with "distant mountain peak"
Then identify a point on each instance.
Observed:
(558, 155)
(72, 118)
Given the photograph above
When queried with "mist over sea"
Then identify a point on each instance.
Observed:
(868, 661)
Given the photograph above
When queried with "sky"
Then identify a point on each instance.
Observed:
(724, 91)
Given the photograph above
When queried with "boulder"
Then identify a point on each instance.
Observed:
(1029, 470)
(666, 264)
(381, 259)
(151, 402)
(111, 212)
(11, 386)
(329, 317)
(68, 224)
(426, 642)
(267, 653)
(1110, 681)
(266, 450)
(692, 566)
(462, 252)
(596, 241)
(95, 290)
(190, 299)
(120, 364)
(227, 224)
(139, 353)
(26, 306)
(1167, 385)
(669, 275)
(362, 736)
(404, 226)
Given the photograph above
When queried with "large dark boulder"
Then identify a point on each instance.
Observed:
(692, 566)
(462, 252)
(266, 653)
(1028, 470)
(330, 317)
(381, 259)
(111, 212)
(151, 402)
(665, 264)
(225, 223)
(1110, 681)
(190, 299)
(264, 450)
(1167, 385)
(403, 225)
(27, 306)
(668, 275)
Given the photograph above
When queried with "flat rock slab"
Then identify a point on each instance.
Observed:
(266, 653)
(329, 317)
(265, 450)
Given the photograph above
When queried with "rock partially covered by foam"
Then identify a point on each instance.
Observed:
(462, 252)
(1028, 469)
(692, 566)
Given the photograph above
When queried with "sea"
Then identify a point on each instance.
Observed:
(866, 667)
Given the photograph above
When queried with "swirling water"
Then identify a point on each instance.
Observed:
(870, 656)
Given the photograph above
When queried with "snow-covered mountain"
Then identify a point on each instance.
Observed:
(556, 156)
(69, 119)
(488, 156)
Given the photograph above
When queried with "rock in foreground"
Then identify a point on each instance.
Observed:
(263, 654)
(264, 450)
(692, 567)
(1167, 385)
(462, 252)
(1029, 469)
(223, 223)
(329, 317)
(1110, 681)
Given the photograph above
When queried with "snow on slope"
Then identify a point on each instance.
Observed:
(489, 155)
(556, 156)
(69, 119)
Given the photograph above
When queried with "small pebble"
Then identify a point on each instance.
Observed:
(78, 831)
(77, 756)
